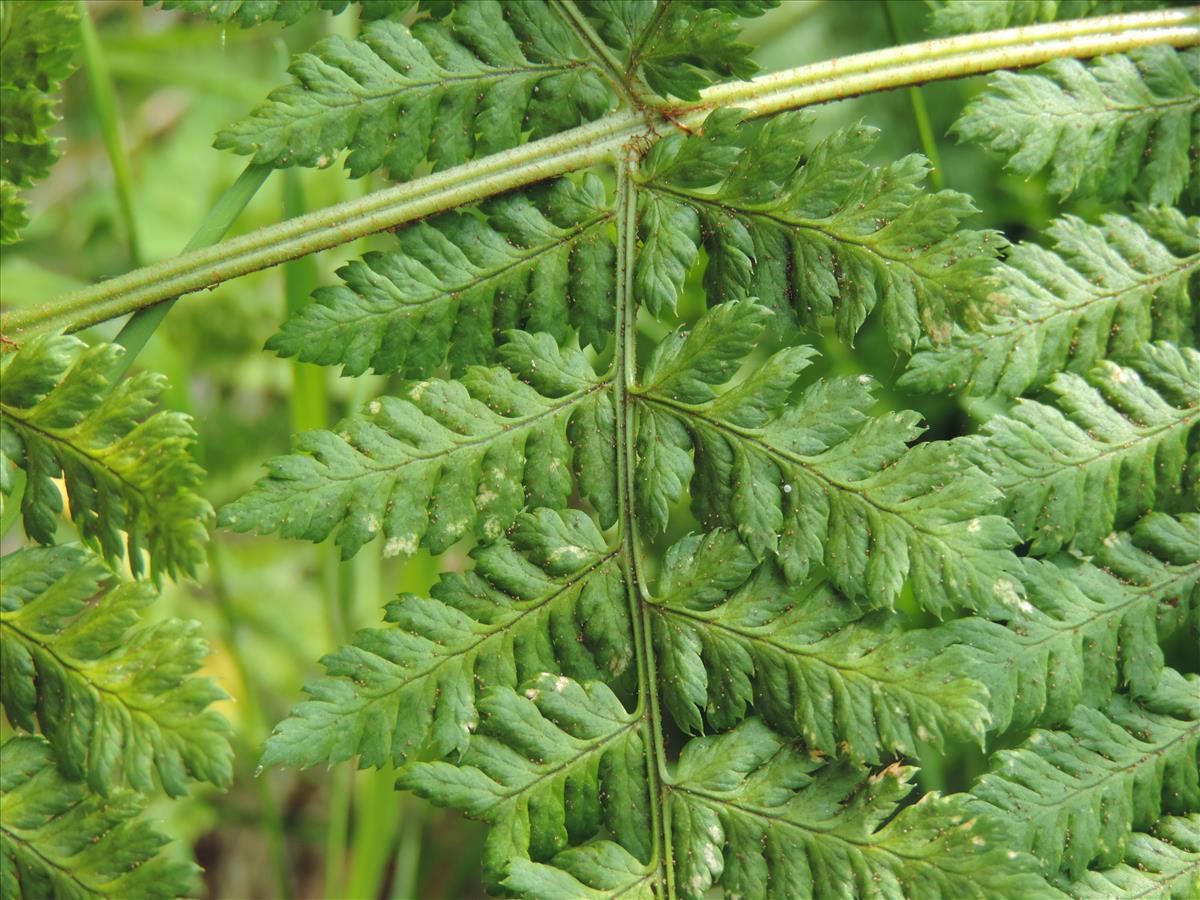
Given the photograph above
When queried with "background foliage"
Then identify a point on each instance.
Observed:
(264, 603)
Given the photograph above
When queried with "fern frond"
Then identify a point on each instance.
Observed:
(678, 48)
(248, 13)
(116, 696)
(1084, 629)
(547, 768)
(816, 480)
(448, 459)
(748, 809)
(969, 16)
(728, 637)
(1105, 775)
(467, 85)
(1118, 125)
(1163, 864)
(1176, 540)
(1104, 291)
(598, 869)
(58, 839)
(550, 597)
(36, 54)
(131, 481)
(1112, 447)
(814, 230)
(542, 263)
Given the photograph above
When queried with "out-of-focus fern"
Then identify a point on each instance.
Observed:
(115, 697)
(966, 16)
(62, 840)
(248, 13)
(121, 713)
(37, 51)
(131, 482)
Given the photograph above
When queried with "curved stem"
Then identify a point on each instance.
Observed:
(587, 145)
(624, 374)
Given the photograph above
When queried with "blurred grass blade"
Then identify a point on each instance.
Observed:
(142, 324)
(104, 104)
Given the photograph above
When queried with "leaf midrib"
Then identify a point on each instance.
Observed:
(777, 220)
(1040, 798)
(1020, 323)
(788, 458)
(7, 621)
(526, 422)
(532, 607)
(1060, 463)
(443, 292)
(791, 650)
(865, 847)
(1138, 593)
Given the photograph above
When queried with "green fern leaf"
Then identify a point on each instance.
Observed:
(130, 478)
(60, 840)
(467, 85)
(1084, 629)
(969, 16)
(1163, 864)
(1120, 125)
(812, 230)
(1176, 540)
(816, 480)
(248, 13)
(36, 54)
(546, 769)
(748, 809)
(1112, 447)
(1107, 774)
(448, 458)
(549, 598)
(596, 870)
(115, 696)
(678, 48)
(812, 664)
(456, 284)
(1105, 291)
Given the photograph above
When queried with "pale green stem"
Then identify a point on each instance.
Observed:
(851, 76)
(104, 105)
(624, 379)
(309, 400)
(949, 58)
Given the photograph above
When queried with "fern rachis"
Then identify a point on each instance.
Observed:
(717, 600)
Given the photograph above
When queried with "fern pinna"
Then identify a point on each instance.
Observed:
(719, 606)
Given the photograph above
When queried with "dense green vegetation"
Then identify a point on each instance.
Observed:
(778, 477)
